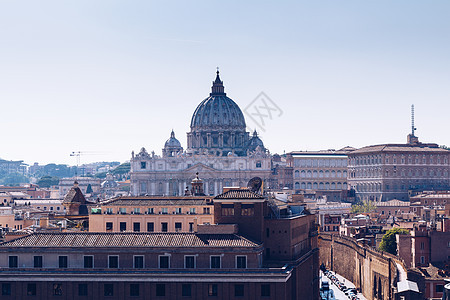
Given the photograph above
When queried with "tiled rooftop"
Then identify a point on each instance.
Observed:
(119, 240)
(402, 148)
(239, 194)
(154, 201)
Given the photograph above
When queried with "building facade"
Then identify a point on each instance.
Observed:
(320, 171)
(253, 252)
(394, 171)
(152, 214)
(218, 147)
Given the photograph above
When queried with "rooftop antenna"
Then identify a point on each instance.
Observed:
(412, 120)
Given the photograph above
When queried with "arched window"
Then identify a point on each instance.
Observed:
(314, 174)
(297, 185)
(339, 174)
(315, 185)
(333, 185)
(327, 174)
(320, 174)
(333, 174)
(308, 174)
(303, 174)
(344, 174)
(308, 185)
(344, 186)
(339, 186)
(321, 186)
(303, 185)
(327, 185)
(296, 174)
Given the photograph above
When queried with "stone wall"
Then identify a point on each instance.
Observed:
(373, 272)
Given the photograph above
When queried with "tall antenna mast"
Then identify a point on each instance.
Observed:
(412, 120)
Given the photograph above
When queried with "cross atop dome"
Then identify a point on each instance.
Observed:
(217, 88)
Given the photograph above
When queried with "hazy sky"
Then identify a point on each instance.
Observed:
(109, 77)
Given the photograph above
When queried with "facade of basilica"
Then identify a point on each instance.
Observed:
(218, 147)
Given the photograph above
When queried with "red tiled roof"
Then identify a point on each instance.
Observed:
(239, 194)
(119, 240)
(401, 148)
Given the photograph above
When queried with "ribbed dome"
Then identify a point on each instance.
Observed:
(172, 142)
(218, 111)
(254, 142)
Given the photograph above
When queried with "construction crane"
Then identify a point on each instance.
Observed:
(78, 154)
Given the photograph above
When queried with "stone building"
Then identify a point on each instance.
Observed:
(218, 146)
(324, 171)
(394, 171)
(254, 252)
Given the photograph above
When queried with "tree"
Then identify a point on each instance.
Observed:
(47, 181)
(366, 206)
(14, 179)
(389, 243)
(121, 169)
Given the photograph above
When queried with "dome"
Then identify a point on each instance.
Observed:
(254, 142)
(172, 142)
(218, 111)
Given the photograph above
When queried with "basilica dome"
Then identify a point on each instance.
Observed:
(218, 111)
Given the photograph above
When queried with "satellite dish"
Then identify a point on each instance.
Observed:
(255, 184)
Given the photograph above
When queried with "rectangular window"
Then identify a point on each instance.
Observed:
(57, 289)
(186, 290)
(178, 210)
(238, 290)
(134, 289)
(136, 227)
(422, 245)
(122, 210)
(164, 210)
(109, 226)
(31, 289)
(227, 210)
(113, 262)
(192, 211)
(150, 227)
(212, 290)
(88, 262)
(164, 227)
(206, 210)
(123, 226)
(241, 262)
(191, 227)
(63, 261)
(137, 211)
(439, 288)
(108, 290)
(143, 164)
(37, 260)
(265, 290)
(164, 262)
(6, 289)
(13, 261)
(422, 259)
(82, 289)
(150, 211)
(247, 210)
(215, 261)
(189, 261)
(177, 226)
(160, 290)
(139, 262)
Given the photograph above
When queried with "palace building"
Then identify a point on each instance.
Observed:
(218, 146)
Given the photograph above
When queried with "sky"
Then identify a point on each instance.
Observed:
(109, 77)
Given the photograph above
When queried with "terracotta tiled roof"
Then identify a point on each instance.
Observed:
(142, 201)
(119, 240)
(239, 194)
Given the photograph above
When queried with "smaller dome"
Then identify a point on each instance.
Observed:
(254, 142)
(172, 142)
